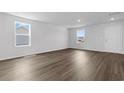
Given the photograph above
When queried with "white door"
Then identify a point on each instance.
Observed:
(113, 39)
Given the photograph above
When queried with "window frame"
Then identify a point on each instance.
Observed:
(83, 40)
(29, 34)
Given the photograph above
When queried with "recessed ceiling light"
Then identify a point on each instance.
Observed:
(112, 19)
(78, 20)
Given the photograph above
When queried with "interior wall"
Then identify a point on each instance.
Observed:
(45, 37)
(98, 39)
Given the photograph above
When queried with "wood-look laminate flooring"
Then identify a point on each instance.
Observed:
(64, 65)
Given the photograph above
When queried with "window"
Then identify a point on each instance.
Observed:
(22, 34)
(80, 36)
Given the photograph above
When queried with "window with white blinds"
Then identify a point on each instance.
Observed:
(22, 34)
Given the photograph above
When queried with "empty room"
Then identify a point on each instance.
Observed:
(61, 46)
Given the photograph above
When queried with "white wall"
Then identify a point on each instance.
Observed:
(98, 39)
(45, 37)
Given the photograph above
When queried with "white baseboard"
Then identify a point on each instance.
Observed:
(99, 50)
(29, 54)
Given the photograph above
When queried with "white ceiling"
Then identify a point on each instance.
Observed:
(69, 19)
